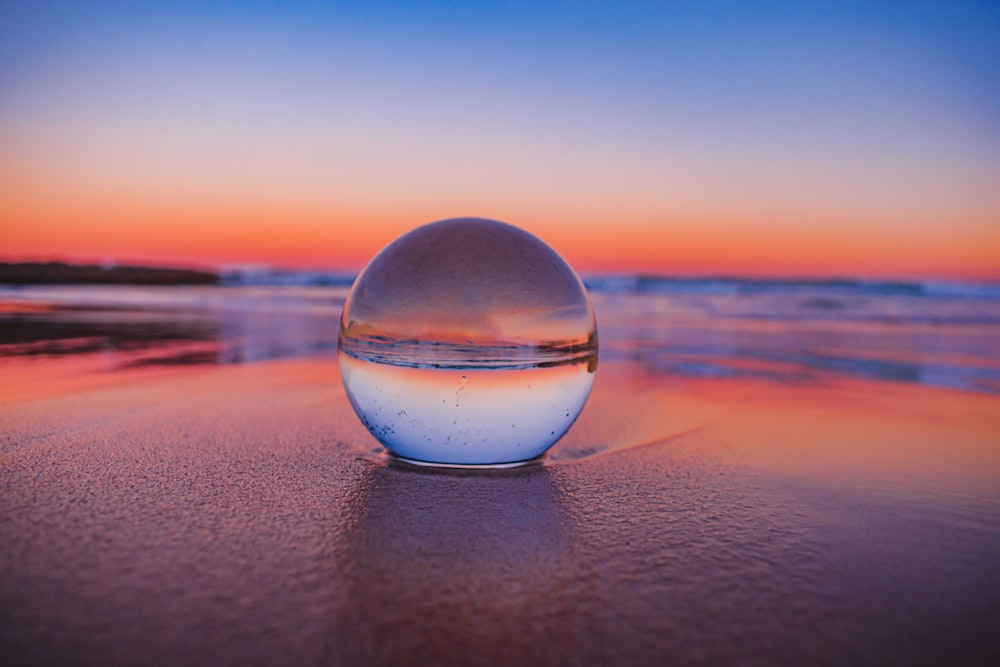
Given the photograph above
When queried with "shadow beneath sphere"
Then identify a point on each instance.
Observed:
(453, 567)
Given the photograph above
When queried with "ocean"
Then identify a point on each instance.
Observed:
(940, 334)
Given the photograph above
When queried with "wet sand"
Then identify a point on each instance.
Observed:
(242, 515)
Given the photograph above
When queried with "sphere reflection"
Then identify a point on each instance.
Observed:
(468, 342)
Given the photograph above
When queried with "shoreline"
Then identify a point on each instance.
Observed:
(224, 514)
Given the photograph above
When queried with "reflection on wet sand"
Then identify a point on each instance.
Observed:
(56, 332)
(129, 327)
(455, 567)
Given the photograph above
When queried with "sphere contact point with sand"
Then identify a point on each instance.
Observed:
(468, 342)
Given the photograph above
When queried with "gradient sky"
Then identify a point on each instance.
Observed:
(747, 137)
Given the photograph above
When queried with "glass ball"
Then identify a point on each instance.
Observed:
(468, 342)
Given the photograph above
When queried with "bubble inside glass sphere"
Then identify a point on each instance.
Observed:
(468, 342)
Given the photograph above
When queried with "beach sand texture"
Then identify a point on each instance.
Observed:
(242, 515)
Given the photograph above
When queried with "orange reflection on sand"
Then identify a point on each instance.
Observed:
(843, 431)
(26, 379)
(906, 433)
(13, 307)
(868, 432)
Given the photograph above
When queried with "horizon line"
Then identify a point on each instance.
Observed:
(709, 276)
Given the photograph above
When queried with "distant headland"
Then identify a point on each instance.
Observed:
(59, 273)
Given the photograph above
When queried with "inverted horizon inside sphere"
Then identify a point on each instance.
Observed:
(469, 280)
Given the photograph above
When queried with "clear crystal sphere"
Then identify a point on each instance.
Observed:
(468, 342)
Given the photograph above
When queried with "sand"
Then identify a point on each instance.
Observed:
(242, 515)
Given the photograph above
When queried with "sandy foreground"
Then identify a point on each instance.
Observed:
(242, 515)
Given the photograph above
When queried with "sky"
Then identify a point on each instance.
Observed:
(759, 138)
